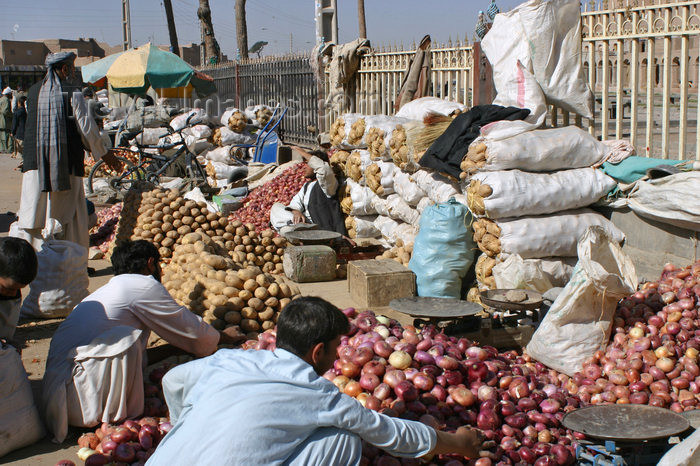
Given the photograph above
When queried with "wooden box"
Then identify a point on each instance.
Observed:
(374, 283)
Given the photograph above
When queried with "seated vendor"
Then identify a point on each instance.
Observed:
(274, 407)
(315, 205)
(94, 370)
(18, 266)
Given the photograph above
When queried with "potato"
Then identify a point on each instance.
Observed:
(217, 262)
(232, 279)
(250, 325)
(267, 314)
(236, 224)
(261, 293)
(183, 230)
(272, 302)
(250, 284)
(268, 325)
(273, 289)
(219, 324)
(220, 311)
(279, 268)
(247, 274)
(285, 290)
(245, 295)
(241, 231)
(232, 317)
(237, 303)
(219, 300)
(256, 303)
(284, 302)
(249, 313)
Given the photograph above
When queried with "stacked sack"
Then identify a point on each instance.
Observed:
(528, 194)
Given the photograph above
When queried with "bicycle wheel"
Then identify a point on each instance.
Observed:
(100, 170)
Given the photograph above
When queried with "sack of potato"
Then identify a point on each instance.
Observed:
(540, 236)
(408, 189)
(401, 253)
(393, 231)
(542, 150)
(514, 193)
(398, 209)
(234, 119)
(224, 136)
(347, 131)
(202, 278)
(402, 143)
(356, 164)
(356, 199)
(337, 160)
(379, 176)
(380, 133)
(362, 227)
(512, 271)
(438, 188)
(422, 107)
(258, 115)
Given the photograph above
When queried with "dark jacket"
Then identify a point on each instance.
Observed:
(76, 151)
(19, 119)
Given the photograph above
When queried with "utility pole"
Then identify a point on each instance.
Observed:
(326, 21)
(211, 47)
(174, 47)
(241, 28)
(126, 25)
(291, 42)
(361, 18)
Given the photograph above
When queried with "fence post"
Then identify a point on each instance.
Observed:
(238, 87)
(483, 89)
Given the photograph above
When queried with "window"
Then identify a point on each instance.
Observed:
(29, 52)
(12, 51)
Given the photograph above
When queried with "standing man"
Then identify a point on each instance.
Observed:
(19, 120)
(6, 120)
(58, 129)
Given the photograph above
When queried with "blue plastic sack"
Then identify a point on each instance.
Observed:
(443, 251)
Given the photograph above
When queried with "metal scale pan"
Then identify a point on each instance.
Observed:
(311, 237)
(443, 312)
(496, 299)
(625, 423)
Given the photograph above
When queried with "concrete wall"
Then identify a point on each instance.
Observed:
(652, 244)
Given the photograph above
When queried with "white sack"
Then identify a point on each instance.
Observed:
(20, 424)
(219, 154)
(251, 112)
(229, 137)
(407, 188)
(380, 206)
(393, 230)
(418, 109)
(686, 453)
(387, 124)
(387, 181)
(223, 170)
(673, 199)
(438, 188)
(228, 113)
(579, 321)
(399, 210)
(512, 271)
(362, 199)
(149, 136)
(551, 235)
(198, 131)
(365, 228)
(349, 119)
(197, 146)
(543, 150)
(423, 203)
(517, 193)
(199, 116)
(61, 281)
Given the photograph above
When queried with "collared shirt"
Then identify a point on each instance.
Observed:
(258, 407)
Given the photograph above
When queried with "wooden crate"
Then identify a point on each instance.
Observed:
(374, 283)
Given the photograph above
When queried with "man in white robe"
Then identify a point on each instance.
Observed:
(94, 370)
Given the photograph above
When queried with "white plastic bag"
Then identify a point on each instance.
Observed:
(516, 193)
(61, 281)
(420, 108)
(20, 424)
(399, 210)
(579, 321)
(407, 188)
(543, 150)
(551, 235)
(512, 271)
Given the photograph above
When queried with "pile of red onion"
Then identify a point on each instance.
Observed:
(653, 356)
(133, 441)
(256, 207)
(102, 235)
(447, 382)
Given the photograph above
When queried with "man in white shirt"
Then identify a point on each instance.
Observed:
(315, 205)
(94, 370)
(263, 407)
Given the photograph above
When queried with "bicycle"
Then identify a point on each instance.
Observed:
(151, 166)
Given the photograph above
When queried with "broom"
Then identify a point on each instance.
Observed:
(433, 126)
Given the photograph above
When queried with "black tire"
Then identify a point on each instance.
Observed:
(97, 171)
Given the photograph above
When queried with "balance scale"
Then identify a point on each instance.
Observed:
(343, 251)
(624, 435)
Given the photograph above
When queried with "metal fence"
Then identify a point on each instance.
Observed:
(284, 81)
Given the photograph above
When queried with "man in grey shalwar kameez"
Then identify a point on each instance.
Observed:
(58, 128)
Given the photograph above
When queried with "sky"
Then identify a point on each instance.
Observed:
(284, 24)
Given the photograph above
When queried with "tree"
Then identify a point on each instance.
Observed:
(212, 53)
(241, 29)
(361, 18)
(175, 48)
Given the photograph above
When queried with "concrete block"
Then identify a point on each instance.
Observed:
(304, 264)
(374, 283)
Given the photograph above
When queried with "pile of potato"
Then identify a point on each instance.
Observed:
(373, 177)
(484, 271)
(237, 121)
(375, 142)
(486, 235)
(401, 252)
(476, 192)
(399, 149)
(475, 159)
(353, 166)
(164, 217)
(201, 277)
(353, 137)
(263, 115)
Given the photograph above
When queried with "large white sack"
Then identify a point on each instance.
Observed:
(551, 235)
(579, 321)
(438, 188)
(229, 137)
(512, 271)
(149, 136)
(423, 203)
(544, 37)
(673, 199)
(362, 199)
(198, 131)
(392, 230)
(399, 210)
(228, 113)
(349, 119)
(517, 193)
(686, 453)
(365, 227)
(407, 188)
(543, 150)
(199, 116)
(386, 125)
(20, 424)
(61, 281)
(388, 169)
(219, 154)
(418, 109)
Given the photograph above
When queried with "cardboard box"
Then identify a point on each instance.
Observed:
(374, 283)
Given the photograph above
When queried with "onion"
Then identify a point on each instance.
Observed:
(400, 359)
(423, 381)
(463, 396)
(665, 364)
(487, 419)
(394, 377)
(406, 391)
(550, 406)
(424, 357)
(369, 381)
(487, 393)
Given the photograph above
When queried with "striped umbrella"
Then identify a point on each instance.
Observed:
(135, 70)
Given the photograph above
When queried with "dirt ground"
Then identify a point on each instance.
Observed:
(37, 334)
